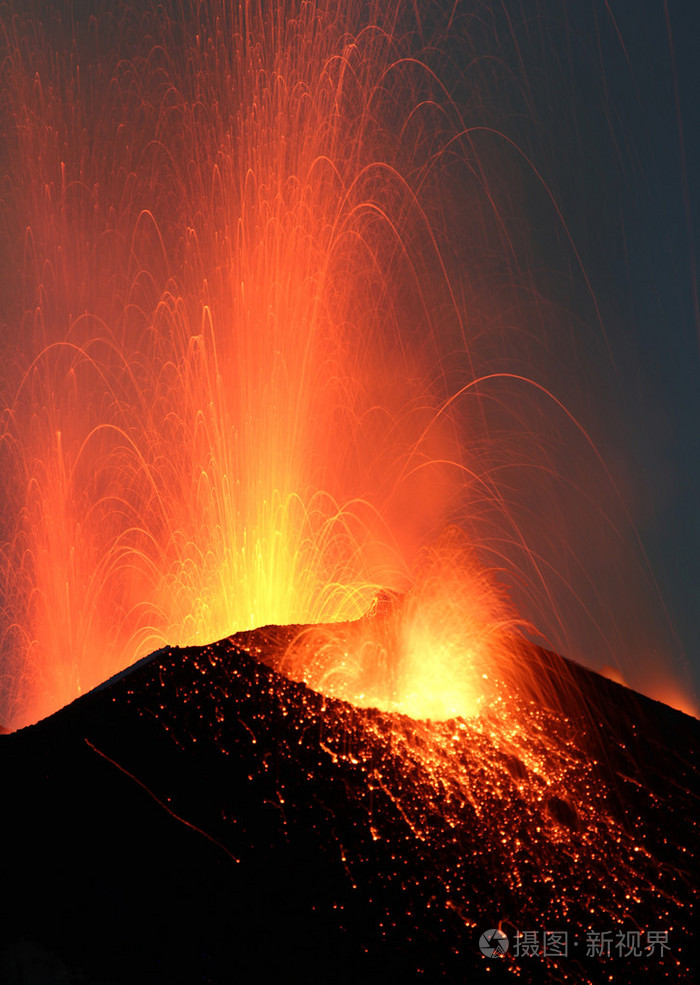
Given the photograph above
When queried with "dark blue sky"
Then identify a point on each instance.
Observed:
(644, 268)
(603, 96)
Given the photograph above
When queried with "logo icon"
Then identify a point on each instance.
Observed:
(493, 943)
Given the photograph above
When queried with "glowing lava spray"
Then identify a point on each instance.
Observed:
(251, 252)
(209, 219)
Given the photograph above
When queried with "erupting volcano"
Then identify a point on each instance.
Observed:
(296, 335)
(202, 817)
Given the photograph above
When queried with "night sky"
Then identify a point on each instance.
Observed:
(610, 117)
(663, 291)
(638, 240)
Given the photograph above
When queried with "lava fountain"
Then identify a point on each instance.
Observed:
(208, 227)
(437, 653)
(267, 326)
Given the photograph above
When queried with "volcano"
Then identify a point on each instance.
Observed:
(201, 817)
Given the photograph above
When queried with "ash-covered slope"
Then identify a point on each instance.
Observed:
(204, 819)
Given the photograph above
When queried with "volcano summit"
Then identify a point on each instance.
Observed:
(203, 818)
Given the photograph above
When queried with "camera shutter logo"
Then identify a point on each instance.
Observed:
(493, 943)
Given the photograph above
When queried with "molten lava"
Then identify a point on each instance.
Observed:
(436, 654)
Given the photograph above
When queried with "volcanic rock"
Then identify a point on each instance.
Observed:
(201, 818)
